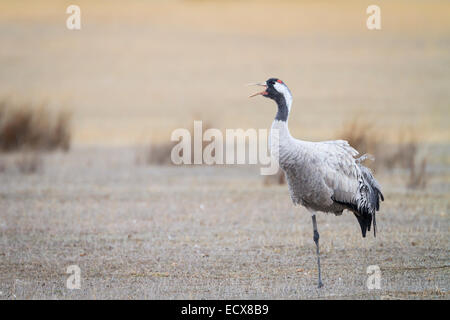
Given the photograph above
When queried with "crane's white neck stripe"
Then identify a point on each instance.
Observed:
(281, 88)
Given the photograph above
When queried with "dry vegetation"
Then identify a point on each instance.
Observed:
(28, 130)
(33, 127)
(361, 136)
(418, 175)
(155, 154)
(403, 154)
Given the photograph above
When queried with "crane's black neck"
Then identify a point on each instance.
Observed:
(283, 111)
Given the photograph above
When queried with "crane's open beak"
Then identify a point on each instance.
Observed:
(262, 84)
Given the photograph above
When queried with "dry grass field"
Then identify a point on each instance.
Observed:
(206, 232)
(135, 72)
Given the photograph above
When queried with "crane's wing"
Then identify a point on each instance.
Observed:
(353, 184)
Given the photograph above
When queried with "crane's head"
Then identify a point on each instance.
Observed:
(274, 89)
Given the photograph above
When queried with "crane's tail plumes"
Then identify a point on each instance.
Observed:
(369, 203)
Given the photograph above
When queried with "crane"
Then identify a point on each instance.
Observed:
(322, 176)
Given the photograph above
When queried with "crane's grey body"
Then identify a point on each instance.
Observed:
(322, 176)
(325, 176)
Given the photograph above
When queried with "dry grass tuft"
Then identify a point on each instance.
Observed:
(158, 154)
(418, 176)
(362, 136)
(405, 153)
(26, 126)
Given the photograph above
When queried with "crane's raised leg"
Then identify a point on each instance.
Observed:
(316, 240)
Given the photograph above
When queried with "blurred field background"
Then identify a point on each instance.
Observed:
(139, 69)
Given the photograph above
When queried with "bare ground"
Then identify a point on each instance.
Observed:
(206, 232)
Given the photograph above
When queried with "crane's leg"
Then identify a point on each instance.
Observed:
(316, 240)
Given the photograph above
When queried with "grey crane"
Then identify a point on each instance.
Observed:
(322, 176)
